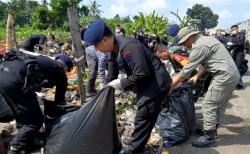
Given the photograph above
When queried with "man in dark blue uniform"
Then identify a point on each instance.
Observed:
(37, 39)
(146, 76)
(236, 46)
(19, 79)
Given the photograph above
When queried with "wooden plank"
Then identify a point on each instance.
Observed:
(9, 32)
(11, 42)
(77, 48)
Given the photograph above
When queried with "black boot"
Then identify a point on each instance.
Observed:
(207, 140)
(240, 85)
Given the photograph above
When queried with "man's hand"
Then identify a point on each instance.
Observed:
(115, 84)
(194, 79)
(177, 79)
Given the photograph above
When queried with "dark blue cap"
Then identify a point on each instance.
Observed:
(173, 30)
(67, 61)
(94, 33)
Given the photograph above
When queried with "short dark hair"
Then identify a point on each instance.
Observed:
(160, 48)
(234, 26)
(107, 32)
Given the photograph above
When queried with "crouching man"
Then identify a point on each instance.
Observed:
(213, 56)
(146, 76)
(20, 77)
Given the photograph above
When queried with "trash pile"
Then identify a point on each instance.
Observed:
(126, 112)
(125, 103)
(2, 48)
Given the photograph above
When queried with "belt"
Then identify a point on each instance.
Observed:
(4, 68)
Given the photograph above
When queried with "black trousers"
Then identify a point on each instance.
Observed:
(238, 57)
(25, 108)
(145, 120)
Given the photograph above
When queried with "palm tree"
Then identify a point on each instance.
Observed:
(94, 10)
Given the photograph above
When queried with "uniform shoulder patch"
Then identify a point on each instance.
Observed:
(128, 57)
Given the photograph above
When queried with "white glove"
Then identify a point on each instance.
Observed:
(115, 84)
(230, 43)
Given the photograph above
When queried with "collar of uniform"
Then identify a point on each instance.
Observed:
(196, 38)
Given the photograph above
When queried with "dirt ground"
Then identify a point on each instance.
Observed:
(234, 135)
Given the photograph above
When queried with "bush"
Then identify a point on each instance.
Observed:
(41, 18)
(23, 33)
(2, 33)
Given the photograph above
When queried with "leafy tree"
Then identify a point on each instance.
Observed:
(135, 17)
(112, 23)
(59, 9)
(83, 10)
(42, 18)
(125, 22)
(44, 2)
(203, 17)
(3, 7)
(85, 20)
(94, 10)
(22, 10)
(152, 23)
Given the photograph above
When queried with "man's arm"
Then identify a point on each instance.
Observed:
(197, 56)
(177, 79)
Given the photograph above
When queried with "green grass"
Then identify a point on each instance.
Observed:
(23, 33)
(2, 33)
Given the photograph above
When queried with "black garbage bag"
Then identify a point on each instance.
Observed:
(6, 113)
(176, 121)
(92, 129)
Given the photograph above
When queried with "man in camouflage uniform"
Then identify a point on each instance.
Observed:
(208, 53)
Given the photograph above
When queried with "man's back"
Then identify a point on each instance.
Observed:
(216, 58)
(33, 40)
(143, 69)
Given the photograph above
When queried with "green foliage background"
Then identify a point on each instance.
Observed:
(32, 17)
(23, 33)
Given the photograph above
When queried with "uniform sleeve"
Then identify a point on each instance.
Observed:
(197, 56)
(136, 59)
(61, 86)
(113, 69)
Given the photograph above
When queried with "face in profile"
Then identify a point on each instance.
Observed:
(106, 44)
(234, 30)
(189, 42)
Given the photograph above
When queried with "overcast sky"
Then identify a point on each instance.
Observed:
(229, 11)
